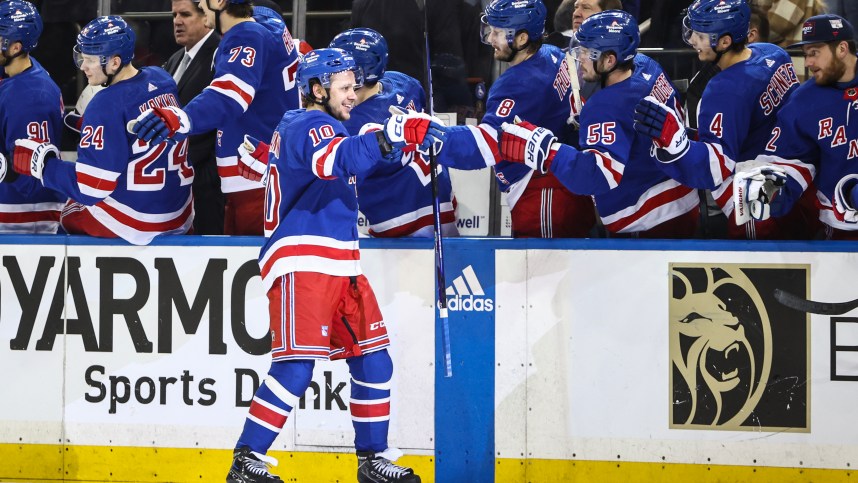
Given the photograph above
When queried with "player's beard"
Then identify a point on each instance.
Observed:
(830, 74)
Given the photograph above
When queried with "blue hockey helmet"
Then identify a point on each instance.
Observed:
(105, 37)
(717, 18)
(609, 31)
(321, 64)
(368, 48)
(514, 16)
(19, 22)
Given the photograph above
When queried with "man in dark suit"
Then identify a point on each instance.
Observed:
(191, 66)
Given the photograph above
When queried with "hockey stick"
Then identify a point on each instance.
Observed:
(823, 308)
(440, 280)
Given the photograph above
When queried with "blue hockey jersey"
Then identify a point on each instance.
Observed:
(137, 190)
(397, 198)
(254, 84)
(32, 107)
(632, 192)
(736, 115)
(536, 90)
(311, 206)
(816, 145)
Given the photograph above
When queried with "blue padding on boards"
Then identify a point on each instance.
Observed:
(464, 426)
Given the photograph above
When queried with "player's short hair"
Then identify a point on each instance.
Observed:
(240, 10)
(760, 21)
(851, 45)
(611, 4)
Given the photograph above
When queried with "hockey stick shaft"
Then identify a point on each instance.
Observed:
(440, 279)
(822, 308)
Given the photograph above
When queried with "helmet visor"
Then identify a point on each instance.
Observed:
(488, 34)
(82, 60)
(581, 53)
(692, 37)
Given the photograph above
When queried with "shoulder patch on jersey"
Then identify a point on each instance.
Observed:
(770, 62)
(152, 87)
(647, 76)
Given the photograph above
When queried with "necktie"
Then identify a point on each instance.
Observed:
(183, 66)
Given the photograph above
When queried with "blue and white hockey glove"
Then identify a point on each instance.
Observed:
(526, 143)
(161, 124)
(252, 159)
(30, 156)
(755, 191)
(846, 199)
(667, 130)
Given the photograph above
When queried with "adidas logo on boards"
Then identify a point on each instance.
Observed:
(466, 294)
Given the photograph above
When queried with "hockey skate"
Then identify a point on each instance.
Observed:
(379, 468)
(251, 467)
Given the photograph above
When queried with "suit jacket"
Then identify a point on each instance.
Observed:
(198, 75)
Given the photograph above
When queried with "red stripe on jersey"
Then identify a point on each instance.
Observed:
(725, 172)
(231, 86)
(369, 410)
(492, 143)
(312, 251)
(263, 413)
(663, 198)
(228, 171)
(96, 183)
(726, 197)
(609, 165)
(147, 226)
(320, 163)
(30, 216)
(412, 226)
(803, 170)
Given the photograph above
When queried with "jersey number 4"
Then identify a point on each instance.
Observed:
(144, 176)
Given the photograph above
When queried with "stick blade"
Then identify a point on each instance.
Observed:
(810, 306)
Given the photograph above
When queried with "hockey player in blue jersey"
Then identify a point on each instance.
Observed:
(320, 305)
(120, 186)
(253, 85)
(396, 198)
(813, 146)
(535, 87)
(736, 114)
(634, 196)
(32, 108)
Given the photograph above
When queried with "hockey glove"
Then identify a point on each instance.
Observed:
(846, 199)
(439, 134)
(31, 154)
(252, 158)
(664, 126)
(755, 191)
(523, 142)
(161, 124)
(414, 128)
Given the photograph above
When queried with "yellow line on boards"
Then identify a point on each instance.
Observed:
(81, 464)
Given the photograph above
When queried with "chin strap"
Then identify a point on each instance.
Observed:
(111, 76)
(217, 17)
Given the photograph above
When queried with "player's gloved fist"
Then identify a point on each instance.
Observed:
(252, 158)
(523, 142)
(658, 121)
(161, 124)
(755, 191)
(846, 199)
(30, 156)
(413, 128)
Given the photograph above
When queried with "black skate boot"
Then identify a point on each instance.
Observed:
(250, 467)
(379, 468)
